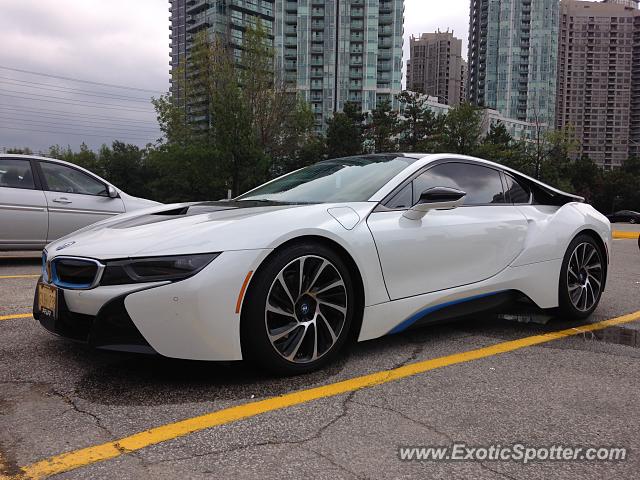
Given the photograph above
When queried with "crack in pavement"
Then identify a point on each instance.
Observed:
(69, 400)
(433, 429)
(343, 413)
(337, 465)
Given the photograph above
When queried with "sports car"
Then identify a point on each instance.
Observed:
(344, 250)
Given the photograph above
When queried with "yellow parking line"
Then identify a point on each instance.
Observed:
(86, 456)
(16, 315)
(18, 276)
(629, 235)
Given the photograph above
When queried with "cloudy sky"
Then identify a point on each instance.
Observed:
(111, 43)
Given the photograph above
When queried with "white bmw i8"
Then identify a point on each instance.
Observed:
(351, 248)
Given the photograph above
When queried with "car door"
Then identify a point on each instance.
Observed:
(447, 248)
(75, 199)
(23, 206)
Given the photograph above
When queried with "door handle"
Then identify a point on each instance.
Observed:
(62, 200)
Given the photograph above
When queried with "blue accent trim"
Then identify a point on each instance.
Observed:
(426, 311)
(59, 283)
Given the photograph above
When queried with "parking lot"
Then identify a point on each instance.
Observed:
(126, 416)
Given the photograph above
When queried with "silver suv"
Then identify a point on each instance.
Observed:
(42, 199)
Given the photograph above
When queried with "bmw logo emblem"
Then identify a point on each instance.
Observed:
(304, 308)
(65, 245)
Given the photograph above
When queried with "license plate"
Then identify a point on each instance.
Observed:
(48, 300)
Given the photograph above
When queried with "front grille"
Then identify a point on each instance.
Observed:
(75, 273)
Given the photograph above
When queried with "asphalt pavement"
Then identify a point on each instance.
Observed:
(578, 390)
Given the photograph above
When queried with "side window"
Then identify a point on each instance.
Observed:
(481, 184)
(15, 173)
(60, 178)
(402, 199)
(516, 192)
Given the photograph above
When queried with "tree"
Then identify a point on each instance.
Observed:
(417, 125)
(381, 128)
(238, 109)
(462, 129)
(344, 132)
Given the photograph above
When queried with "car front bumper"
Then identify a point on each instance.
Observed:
(193, 319)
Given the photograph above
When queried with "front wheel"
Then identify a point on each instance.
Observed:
(298, 310)
(582, 278)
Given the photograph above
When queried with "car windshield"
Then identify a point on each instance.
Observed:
(353, 179)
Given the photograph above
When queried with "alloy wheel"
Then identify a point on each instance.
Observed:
(585, 276)
(306, 309)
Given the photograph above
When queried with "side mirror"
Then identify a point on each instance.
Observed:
(112, 192)
(435, 198)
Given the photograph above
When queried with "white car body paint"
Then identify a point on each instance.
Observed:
(406, 266)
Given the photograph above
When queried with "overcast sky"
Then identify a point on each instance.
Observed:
(119, 42)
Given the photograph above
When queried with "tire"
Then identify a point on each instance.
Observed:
(302, 328)
(582, 278)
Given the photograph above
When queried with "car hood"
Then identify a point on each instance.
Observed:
(204, 227)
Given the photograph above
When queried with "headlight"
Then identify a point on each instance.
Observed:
(154, 269)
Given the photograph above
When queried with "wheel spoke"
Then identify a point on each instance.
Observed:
(594, 279)
(575, 275)
(330, 286)
(330, 328)
(293, 354)
(595, 266)
(574, 287)
(592, 252)
(278, 333)
(339, 308)
(286, 288)
(302, 259)
(593, 295)
(317, 275)
(279, 311)
(315, 341)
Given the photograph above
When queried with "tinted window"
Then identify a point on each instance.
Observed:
(15, 173)
(481, 184)
(353, 179)
(402, 199)
(61, 178)
(516, 192)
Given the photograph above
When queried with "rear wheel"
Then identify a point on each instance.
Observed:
(582, 278)
(298, 311)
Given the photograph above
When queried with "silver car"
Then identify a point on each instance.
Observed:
(42, 199)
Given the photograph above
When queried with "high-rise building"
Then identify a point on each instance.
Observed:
(435, 66)
(595, 69)
(513, 47)
(464, 74)
(634, 147)
(227, 19)
(339, 51)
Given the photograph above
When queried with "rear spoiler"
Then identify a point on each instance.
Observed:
(552, 195)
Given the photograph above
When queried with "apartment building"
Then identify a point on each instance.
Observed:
(513, 48)
(597, 93)
(435, 67)
(338, 51)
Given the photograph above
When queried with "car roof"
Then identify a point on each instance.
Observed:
(424, 159)
(53, 160)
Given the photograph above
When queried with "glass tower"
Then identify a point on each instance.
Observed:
(226, 18)
(513, 51)
(338, 51)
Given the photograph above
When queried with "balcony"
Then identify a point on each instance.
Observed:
(196, 25)
(385, 19)
(357, 12)
(197, 6)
